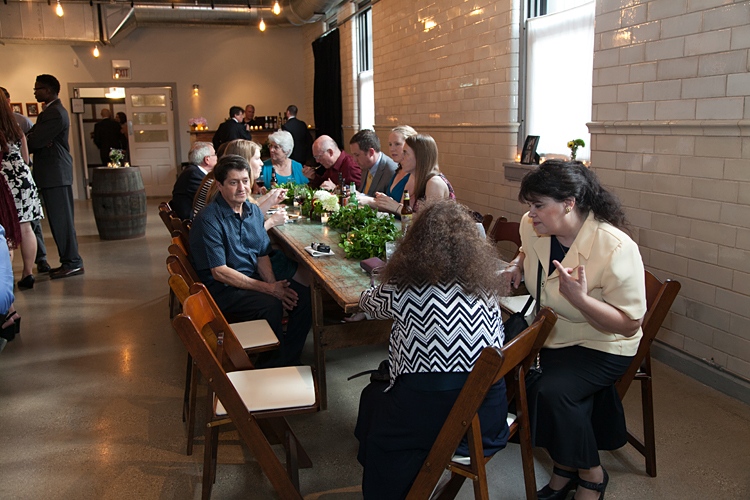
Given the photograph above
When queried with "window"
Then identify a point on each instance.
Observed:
(363, 65)
(559, 69)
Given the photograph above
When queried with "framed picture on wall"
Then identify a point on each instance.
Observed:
(32, 108)
(528, 155)
(17, 107)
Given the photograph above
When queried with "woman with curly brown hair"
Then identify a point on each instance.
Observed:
(443, 301)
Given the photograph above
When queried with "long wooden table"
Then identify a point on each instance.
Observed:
(338, 277)
(344, 280)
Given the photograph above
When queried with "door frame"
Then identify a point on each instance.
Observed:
(80, 172)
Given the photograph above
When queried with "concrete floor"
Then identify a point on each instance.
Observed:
(90, 396)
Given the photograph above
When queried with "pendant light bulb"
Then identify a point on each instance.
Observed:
(262, 25)
(96, 51)
(276, 8)
(59, 9)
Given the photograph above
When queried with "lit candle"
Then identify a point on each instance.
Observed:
(324, 218)
(518, 158)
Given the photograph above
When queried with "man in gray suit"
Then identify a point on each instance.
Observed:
(377, 167)
(53, 173)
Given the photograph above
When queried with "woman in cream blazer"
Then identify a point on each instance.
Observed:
(593, 278)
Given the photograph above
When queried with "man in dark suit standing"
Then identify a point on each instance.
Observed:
(300, 134)
(202, 158)
(106, 135)
(377, 168)
(53, 173)
(232, 129)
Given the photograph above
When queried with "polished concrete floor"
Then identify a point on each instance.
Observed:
(90, 396)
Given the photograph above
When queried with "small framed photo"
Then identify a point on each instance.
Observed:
(32, 108)
(17, 107)
(528, 155)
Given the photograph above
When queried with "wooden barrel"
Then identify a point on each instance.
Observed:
(119, 203)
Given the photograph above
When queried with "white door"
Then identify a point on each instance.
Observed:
(151, 137)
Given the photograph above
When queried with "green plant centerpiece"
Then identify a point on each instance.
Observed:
(574, 145)
(365, 233)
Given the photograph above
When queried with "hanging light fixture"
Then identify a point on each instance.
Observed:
(96, 51)
(59, 9)
(276, 8)
(262, 25)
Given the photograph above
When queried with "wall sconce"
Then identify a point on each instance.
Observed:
(59, 9)
(96, 51)
(195, 90)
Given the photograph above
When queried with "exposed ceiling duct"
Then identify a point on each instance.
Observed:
(35, 22)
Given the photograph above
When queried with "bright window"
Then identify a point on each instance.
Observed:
(559, 69)
(365, 86)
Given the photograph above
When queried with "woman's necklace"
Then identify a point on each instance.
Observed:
(564, 249)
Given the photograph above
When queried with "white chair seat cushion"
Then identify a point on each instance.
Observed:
(254, 333)
(516, 303)
(467, 460)
(273, 388)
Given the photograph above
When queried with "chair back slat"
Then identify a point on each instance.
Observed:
(487, 222)
(659, 299)
(179, 286)
(492, 364)
(176, 250)
(166, 218)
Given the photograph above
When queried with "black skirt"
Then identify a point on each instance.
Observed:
(396, 430)
(574, 408)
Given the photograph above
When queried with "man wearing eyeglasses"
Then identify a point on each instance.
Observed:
(202, 158)
(53, 173)
(335, 162)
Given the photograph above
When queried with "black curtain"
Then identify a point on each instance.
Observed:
(329, 114)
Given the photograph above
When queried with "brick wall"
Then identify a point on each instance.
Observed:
(457, 81)
(671, 136)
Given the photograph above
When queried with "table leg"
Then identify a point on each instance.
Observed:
(320, 355)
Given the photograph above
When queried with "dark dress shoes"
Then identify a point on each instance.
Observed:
(65, 273)
(26, 283)
(43, 267)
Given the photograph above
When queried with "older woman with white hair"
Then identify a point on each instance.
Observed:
(280, 166)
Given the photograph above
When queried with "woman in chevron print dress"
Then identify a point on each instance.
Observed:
(444, 306)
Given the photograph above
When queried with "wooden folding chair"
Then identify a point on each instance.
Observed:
(659, 298)
(254, 337)
(513, 361)
(164, 207)
(506, 231)
(255, 400)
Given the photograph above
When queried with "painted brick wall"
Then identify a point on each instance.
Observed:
(671, 136)
(457, 81)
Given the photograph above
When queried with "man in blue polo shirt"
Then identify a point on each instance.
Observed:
(230, 250)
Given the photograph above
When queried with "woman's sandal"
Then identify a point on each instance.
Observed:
(9, 332)
(548, 493)
(600, 487)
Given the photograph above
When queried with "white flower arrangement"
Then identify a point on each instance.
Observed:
(328, 201)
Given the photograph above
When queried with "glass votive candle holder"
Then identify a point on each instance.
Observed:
(324, 218)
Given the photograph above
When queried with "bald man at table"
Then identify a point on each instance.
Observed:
(327, 153)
